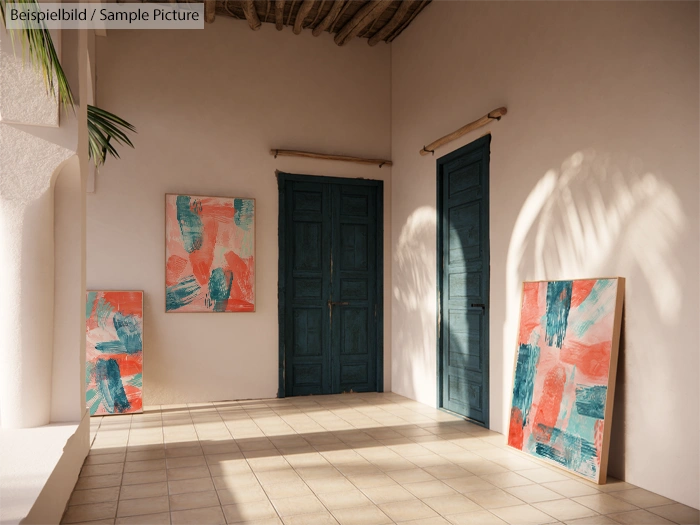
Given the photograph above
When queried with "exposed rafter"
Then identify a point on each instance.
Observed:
(407, 21)
(209, 11)
(336, 6)
(251, 15)
(366, 15)
(304, 10)
(279, 14)
(392, 24)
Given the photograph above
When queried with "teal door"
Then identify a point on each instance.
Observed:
(330, 241)
(463, 281)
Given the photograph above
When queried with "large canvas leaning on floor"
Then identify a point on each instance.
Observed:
(564, 382)
(210, 254)
(114, 352)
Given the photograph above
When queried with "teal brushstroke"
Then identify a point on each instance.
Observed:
(590, 400)
(111, 347)
(592, 309)
(89, 367)
(244, 212)
(181, 293)
(90, 303)
(95, 403)
(136, 380)
(557, 313)
(102, 312)
(128, 330)
(524, 381)
(571, 451)
(191, 227)
(220, 283)
(109, 383)
(89, 394)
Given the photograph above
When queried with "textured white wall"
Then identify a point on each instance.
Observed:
(208, 106)
(594, 172)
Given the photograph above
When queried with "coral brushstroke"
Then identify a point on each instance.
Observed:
(114, 352)
(563, 372)
(210, 254)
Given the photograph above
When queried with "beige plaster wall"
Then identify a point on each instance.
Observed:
(594, 172)
(208, 106)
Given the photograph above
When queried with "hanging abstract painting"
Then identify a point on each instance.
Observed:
(210, 254)
(564, 381)
(114, 352)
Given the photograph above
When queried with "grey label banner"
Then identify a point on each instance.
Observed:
(104, 16)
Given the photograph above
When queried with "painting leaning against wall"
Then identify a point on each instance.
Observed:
(564, 381)
(114, 352)
(210, 254)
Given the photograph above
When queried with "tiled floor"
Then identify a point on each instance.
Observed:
(352, 459)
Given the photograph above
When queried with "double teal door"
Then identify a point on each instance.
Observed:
(330, 295)
(463, 281)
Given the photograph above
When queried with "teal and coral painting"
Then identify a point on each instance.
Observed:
(564, 378)
(114, 352)
(210, 254)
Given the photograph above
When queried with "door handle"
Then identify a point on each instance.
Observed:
(479, 305)
(338, 303)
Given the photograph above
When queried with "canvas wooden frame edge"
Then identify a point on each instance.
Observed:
(142, 339)
(255, 255)
(610, 396)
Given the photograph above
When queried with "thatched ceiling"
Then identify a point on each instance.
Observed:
(375, 20)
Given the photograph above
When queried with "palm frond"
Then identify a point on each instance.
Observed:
(104, 126)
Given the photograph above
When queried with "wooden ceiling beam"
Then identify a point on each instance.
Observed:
(304, 10)
(251, 15)
(279, 14)
(336, 6)
(391, 24)
(209, 11)
(408, 20)
(366, 15)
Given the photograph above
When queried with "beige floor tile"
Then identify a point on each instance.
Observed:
(186, 461)
(604, 504)
(639, 517)
(251, 511)
(642, 498)
(206, 516)
(593, 520)
(451, 504)
(298, 505)
(100, 459)
(430, 460)
(370, 515)
(318, 472)
(162, 518)
(570, 488)
(326, 485)
(289, 489)
(231, 481)
(613, 485)
(145, 455)
(109, 521)
(446, 471)
(483, 517)
(679, 513)
(194, 500)
(179, 452)
(414, 475)
(469, 484)
(523, 515)
(533, 493)
(143, 466)
(91, 512)
(507, 480)
(428, 489)
(493, 499)
(82, 497)
(190, 485)
(243, 494)
(175, 474)
(323, 518)
(270, 477)
(387, 494)
(265, 463)
(542, 475)
(407, 510)
(345, 499)
(96, 482)
(102, 470)
(145, 490)
(565, 509)
(135, 507)
(376, 480)
(434, 520)
(138, 478)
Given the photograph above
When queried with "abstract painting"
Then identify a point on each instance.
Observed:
(564, 381)
(210, 254)
(114, 352)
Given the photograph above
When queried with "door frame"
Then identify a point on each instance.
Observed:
(282, 179)
(479, 143)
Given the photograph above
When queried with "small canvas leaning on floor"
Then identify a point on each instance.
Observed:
(563, 387)
(114, 352)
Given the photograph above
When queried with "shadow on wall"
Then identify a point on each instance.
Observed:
(601, 216)
(415, 305)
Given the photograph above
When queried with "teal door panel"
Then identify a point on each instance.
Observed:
(329, 285)
(463, 281)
